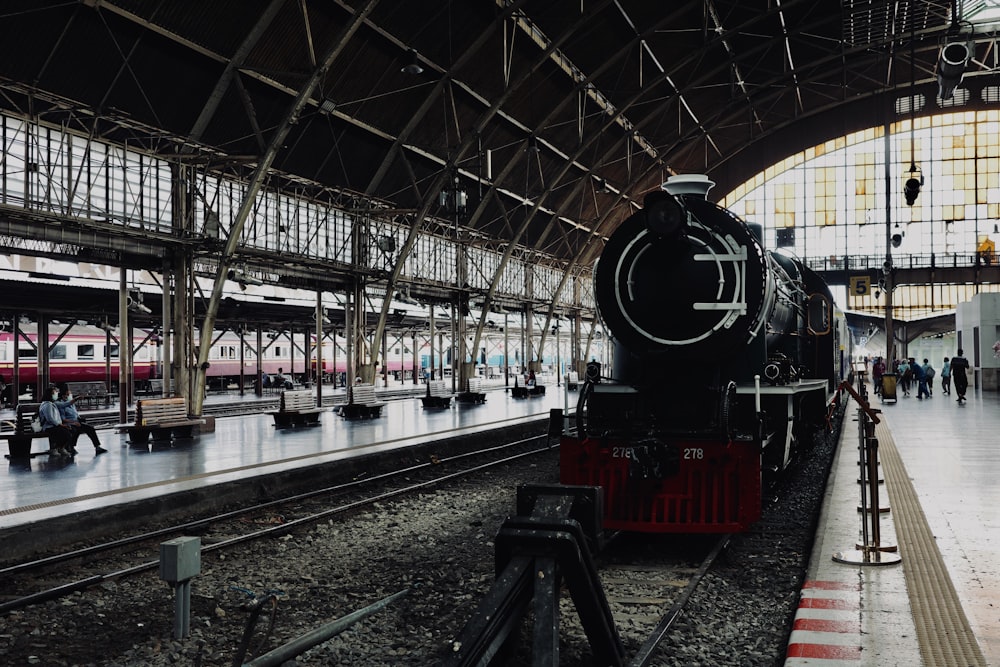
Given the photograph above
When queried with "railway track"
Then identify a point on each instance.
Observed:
(55, 576)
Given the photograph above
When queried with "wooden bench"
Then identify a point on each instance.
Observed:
(163, 418)
(473, 392)
(296, 408)
(20, 439)
(361, 402)
(438, 395)
(93, 393)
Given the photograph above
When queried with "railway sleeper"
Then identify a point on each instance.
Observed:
(533, 554)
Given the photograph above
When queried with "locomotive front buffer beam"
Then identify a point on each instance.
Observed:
(551, 539)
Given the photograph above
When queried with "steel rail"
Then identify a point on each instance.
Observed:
(645, 652)
(71, 587)
(97, 549)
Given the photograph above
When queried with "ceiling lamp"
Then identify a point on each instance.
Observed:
(412, 65)
(951, 67)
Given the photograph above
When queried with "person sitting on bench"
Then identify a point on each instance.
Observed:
(61, 438)
(280, 381)
(76, 424)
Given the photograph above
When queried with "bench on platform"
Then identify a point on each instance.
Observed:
(361, 402)
(163, 418)
(154, 387)
(473, 392)
(573, 381)
(296, 408)
(21, 438)
(526, 392)
(93, 393)
(438, 395)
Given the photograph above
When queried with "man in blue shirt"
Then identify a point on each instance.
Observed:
(71, 418)
(60, 436)
(918, 375)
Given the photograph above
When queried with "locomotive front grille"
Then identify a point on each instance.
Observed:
(716, 489)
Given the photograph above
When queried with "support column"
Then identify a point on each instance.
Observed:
(416, 357)
(124, 346)
(430, 339)
(319, 348)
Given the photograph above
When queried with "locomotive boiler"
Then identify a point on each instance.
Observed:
(725, 356)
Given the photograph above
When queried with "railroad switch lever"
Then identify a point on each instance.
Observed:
(180, 561)
(533, 554)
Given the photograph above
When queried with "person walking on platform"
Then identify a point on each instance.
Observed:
(920, 372)
(946, 377)
(905, 375)
(959, 370)
(76, 424)
(929, 374)
(878, 370)
(60, 435)
(921, 379)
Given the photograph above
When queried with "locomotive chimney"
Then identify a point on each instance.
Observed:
(689, 184)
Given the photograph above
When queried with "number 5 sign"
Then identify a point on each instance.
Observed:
(861, 285)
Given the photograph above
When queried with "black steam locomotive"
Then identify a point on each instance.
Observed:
(725, 360)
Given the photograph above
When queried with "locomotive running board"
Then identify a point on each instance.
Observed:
(533, 554)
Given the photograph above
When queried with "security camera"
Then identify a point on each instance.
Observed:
(137, 306)
(243, 279)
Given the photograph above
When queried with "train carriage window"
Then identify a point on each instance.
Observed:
(58, 352)
(114, 351)
(84, 351)
(26, 353)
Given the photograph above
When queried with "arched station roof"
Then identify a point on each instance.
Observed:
(556, 116)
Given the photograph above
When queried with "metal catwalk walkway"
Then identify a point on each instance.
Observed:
(941, 605)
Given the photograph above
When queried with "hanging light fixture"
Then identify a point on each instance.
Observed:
(951, 68)
(412, 65)
(911, 188)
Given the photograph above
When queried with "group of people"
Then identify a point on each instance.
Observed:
(908, 372)
(277, 380)
(63, 424)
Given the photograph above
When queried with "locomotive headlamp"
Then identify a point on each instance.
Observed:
(666, 217)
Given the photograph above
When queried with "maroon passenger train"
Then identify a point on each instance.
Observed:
(726, 359)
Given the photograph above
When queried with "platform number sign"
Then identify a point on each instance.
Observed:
(861, 285)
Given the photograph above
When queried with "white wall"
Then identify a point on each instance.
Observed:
(981, 315)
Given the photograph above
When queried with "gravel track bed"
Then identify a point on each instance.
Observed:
(438, 544)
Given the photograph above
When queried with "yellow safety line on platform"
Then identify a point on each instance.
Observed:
(943, 631)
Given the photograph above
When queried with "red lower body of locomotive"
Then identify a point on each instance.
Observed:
(699, 486)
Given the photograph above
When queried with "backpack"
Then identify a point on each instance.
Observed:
(930, 372)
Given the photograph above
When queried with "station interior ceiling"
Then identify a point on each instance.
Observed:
(556, 117)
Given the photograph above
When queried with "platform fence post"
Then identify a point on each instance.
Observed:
(870, 551)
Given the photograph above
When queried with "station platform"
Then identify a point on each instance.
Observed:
(940, 604)
(40, 489)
